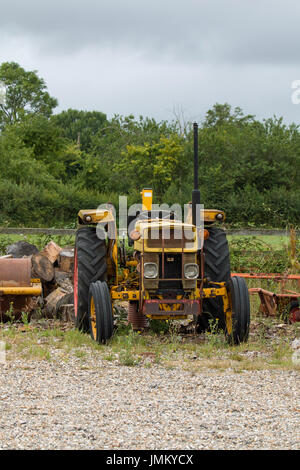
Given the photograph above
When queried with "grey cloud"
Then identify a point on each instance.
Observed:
(234, 31)
(148, 57)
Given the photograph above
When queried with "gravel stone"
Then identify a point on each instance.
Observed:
(102, 405)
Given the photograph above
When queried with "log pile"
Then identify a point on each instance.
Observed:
(53, 265)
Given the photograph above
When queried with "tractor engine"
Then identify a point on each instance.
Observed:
(168, 266)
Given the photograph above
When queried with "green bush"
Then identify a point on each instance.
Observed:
(252, 254)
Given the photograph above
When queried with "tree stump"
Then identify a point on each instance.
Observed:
(66, 261)
(55, 301)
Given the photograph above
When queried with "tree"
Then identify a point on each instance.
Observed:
(39, 134)
(158, 165)
(80, 126)
(25, 93)
(221, 114)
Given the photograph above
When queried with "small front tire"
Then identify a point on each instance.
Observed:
(238, 324)
(100, 312)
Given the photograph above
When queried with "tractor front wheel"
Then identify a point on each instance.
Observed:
(237, 325)
(100, 312)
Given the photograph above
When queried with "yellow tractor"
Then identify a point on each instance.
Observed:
(176, 270)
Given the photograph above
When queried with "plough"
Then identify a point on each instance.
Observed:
(286, 303)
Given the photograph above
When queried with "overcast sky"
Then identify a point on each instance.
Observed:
(153, 57)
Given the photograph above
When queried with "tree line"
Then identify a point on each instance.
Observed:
(53, 164)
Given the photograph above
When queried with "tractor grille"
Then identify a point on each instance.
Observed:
(172, 269)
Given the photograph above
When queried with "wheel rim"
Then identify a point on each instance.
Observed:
(75, 284)
(93, 319)
(228, 315)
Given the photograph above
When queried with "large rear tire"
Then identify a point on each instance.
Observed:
(216, 269)
(89, 266)
(237, 327)
(100, 312)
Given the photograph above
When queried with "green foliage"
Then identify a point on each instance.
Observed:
(253, 254)
(25, 93)
(249, 169)
(80, 126)
(162, 163)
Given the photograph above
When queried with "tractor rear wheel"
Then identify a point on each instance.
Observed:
(100, 312)
(216, 269)
(237, 327)
(89, 266)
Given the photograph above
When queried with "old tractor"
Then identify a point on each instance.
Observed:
(176, 270)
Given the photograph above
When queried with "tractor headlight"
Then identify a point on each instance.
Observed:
(191, 271)
(150, 270)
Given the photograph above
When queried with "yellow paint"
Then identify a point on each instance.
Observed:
(131, 263)
(209, 215)
(101, 215)
(93, 319)
(115, 254)
(210, 292)
(168, 307)
(125, 295)
(34, 290)
(227, 307)
(147, 195)
(144, 227)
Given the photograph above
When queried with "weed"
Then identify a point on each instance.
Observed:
(126, 358)
(10, 313)
(25, 318)
(159, 327)
(174, 327)
(254, 254)
(80, 354)
(214, 336)
(109, 357)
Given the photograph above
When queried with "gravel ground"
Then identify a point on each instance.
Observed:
(102, 405)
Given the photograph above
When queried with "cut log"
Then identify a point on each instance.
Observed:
(48, 287)
(66, 261)
(42, 268)
(56, 300)
(51, 251)
(21, 249)
(62, 279)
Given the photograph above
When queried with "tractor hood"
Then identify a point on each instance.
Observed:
(165, 235)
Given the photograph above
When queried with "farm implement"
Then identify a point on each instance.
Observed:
(18, 291)
(284, 304)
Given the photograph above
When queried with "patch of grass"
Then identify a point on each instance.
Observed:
(269, 346)
(80, 354)
(274, 241)
(36, 352)
(109, 357)
(127, 358)
(76, 339)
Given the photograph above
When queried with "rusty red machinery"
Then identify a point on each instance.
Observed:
(286, 303)
(18, 291)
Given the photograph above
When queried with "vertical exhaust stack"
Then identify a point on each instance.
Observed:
(196, 192)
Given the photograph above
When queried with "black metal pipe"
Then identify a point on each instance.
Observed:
(196, 192)
(196, 157)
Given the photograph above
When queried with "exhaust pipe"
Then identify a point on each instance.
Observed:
(196, 192)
